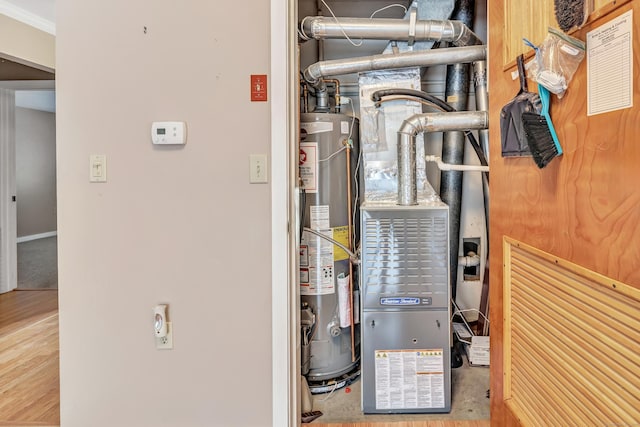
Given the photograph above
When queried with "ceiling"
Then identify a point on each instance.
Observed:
(44, 10)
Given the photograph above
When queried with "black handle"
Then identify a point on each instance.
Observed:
(522, 74)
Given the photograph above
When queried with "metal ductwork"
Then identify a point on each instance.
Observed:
(456, 32)
(482, 100)
(315, 72)
(429, 122)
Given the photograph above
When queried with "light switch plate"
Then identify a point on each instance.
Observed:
(97, 168)
(258, 171)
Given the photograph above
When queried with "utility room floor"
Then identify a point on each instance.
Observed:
(469, 400)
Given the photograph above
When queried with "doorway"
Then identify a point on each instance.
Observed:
(308, 7)
(27, 92)
(28, 313)
(36, 189)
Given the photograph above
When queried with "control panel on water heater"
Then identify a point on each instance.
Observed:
(169, 133)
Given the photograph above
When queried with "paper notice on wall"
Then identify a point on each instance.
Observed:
(308, 165)
(409, 379)
(610, 66)
(319, 273)
(319, 217)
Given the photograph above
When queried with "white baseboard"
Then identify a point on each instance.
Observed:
(36, 236)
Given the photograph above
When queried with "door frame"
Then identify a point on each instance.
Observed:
(285, 292)
(8, 218)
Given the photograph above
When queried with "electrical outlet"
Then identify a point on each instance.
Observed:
(166, 342)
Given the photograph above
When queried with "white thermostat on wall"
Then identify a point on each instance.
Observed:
(169, 133)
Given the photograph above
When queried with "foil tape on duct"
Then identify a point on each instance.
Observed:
(378, 140)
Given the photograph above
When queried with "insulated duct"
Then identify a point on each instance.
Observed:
(456, 32)
(315, 72)
(456, 94)
(429, 122)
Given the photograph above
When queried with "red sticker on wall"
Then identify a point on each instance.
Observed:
(258, 87)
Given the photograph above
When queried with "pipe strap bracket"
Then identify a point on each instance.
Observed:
(413, 17)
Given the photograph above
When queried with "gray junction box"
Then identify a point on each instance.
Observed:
(405, 327)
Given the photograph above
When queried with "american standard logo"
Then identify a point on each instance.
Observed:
(405, 301)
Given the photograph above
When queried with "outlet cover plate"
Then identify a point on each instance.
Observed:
(165, 343)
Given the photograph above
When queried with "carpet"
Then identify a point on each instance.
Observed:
(38, 264)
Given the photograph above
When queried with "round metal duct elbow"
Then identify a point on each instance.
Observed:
(313, 74)
(428, 122)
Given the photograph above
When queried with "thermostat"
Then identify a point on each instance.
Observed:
(168, 133)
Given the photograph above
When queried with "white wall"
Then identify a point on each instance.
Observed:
(181, 226)
(35, 171)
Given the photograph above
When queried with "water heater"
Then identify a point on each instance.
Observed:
(326, 141)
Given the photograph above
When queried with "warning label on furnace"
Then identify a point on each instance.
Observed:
(409, 379)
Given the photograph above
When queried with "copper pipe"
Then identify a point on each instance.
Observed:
(350, 244)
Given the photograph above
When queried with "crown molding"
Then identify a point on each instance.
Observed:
(26, 17)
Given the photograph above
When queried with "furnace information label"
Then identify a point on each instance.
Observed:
(409, 379)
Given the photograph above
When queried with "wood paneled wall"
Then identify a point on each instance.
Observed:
(584, 206)
(531, 19)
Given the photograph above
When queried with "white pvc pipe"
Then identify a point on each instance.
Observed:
(450, 167)
(469, 260)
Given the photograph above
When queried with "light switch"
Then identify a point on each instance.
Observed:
(98, 168)
(258, 171)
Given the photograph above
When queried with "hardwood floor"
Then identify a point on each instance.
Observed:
(29, 359)
(20, 308)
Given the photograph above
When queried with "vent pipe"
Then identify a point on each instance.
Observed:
(429, 122)
(456, 32)
(482, 104)
(315, 72)
(453, 144)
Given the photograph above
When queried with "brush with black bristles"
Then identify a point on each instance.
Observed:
(541, 135)
(572, 13)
